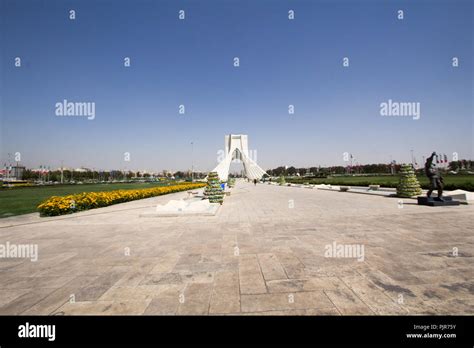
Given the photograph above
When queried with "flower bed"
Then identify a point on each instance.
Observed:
(89, 200)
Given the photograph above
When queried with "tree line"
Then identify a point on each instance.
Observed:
(381, 168)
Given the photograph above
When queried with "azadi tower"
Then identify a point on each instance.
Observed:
(237, 146)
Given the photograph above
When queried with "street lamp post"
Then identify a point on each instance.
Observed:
(192, 161)
(62, 172)
(9, 166)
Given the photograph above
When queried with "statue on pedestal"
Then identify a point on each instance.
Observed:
(436, 180)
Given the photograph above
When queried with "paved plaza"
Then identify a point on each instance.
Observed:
(263, 253)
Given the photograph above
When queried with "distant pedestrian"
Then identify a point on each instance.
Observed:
(255, 182)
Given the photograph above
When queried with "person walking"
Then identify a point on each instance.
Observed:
(255, 182)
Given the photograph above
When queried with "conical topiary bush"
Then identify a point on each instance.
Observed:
(281, 180)
(213, 190)
(408, 185)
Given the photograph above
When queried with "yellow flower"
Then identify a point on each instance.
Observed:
(86, 200)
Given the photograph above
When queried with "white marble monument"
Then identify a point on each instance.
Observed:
(236, 147)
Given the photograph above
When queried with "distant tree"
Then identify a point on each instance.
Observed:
(55, 175)
(278, 171)
(338, 170)
(29, 175)
(454, 165)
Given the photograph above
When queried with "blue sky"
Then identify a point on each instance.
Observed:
(190, 62)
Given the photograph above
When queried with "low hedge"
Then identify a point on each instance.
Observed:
(61, 205)
(450, 183)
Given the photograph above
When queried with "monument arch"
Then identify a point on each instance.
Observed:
(236, 147)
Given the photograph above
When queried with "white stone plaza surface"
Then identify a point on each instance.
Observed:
(262, 253)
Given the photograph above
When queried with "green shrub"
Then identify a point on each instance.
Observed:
(213, 190)
(281, 180)
(409, 185)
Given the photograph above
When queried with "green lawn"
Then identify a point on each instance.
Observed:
(451, 182)
(24, 200)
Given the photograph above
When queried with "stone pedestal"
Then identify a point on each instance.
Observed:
(436, 202)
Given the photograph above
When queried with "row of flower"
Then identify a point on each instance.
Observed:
(89, 200)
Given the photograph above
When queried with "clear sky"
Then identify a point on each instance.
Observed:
(190, 62)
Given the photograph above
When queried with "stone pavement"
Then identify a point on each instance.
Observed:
(263, 253)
